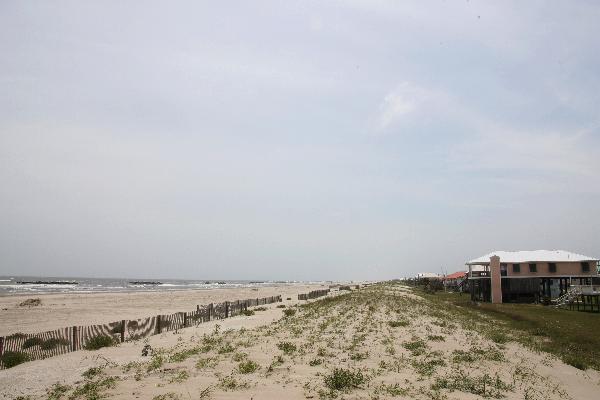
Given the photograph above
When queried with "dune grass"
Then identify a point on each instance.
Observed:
(570, 335)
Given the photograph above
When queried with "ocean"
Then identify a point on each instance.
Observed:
(10, 285)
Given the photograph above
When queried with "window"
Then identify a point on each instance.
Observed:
(552, 267)
(517, 268)
(503, 268)
(532, 267)
(585, 266)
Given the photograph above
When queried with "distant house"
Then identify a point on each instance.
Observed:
(455, 280)
(515, 276)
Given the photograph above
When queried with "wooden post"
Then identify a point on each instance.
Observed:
(74, 344)
(185, 320)
(158, 327)
(1, 345)
(123, 323)
(226, 309)
(210, 311)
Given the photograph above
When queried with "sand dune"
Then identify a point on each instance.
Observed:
(372, 343)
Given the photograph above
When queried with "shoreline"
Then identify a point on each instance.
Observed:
(60, 310)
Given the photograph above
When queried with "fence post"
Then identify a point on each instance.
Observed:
(123, 323)
(74, 343)
(210, 311)
(158, 327)
(226, 309)
(1, 345)
(185, 320)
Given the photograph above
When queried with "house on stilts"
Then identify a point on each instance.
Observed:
(533, 276)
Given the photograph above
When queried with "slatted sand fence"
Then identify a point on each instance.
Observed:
(313, 294)
(21, 347)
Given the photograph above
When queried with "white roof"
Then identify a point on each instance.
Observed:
(427, 275)
(532, 256)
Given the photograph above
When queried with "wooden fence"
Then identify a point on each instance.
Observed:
(313, 295)
(38, 346)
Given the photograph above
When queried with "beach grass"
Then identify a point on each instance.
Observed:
(347, 345)
(570, 335)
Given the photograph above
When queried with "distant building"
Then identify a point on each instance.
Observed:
(428, 275)
(515, 276)
(455, 280)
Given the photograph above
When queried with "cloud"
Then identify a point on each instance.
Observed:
(400, 103)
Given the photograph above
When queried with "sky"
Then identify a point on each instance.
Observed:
(295, 140)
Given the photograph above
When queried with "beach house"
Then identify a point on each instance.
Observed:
(529, 276)
(455, 280)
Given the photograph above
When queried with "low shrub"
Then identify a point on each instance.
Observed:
(57, 391)
(13, 358)
(344, 379)
(415, 346)
(53, 343)
(226, 348)
(436, 338)
(280, 306)
(32, 341)
(247, 367)
(287, 347)
(396, 324)
(289, 312)
(247, 313)
(98, 342)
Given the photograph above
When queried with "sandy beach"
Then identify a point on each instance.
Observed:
(379, 342)
(62, 310)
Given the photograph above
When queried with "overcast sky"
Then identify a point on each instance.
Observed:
(295, 140)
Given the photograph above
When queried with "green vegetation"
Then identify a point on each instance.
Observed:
(157, 361)
(359, 356)
(57, 391)
(98, 342)
(570, 335)
(416, 346)
(396, 324)
(226, 348)
(344, 379)
(436, 338)
(53, 343)
(247, 313)
(184, 354)
(247, 367)
(287, 347)
(94, 390)
(209, 362)
(31, 342)
(166, 396)
(92, 372)
(179, 377)
(485, 385)
(288, 312)
(13, 358)
(229, 383)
